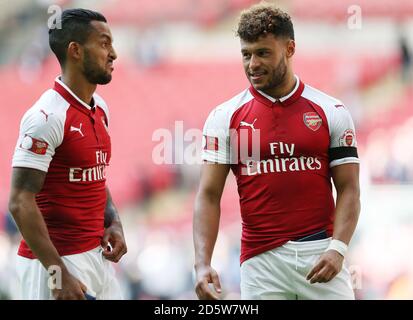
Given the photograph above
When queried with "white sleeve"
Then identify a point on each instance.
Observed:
(39, 136)
(343, 143)
(216, 142)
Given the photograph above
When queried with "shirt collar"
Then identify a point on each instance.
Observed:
(287, 99)
(69, 96)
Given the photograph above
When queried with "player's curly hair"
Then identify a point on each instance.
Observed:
(262, 19)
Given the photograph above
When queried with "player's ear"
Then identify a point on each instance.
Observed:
(290, 48)
(74, 51)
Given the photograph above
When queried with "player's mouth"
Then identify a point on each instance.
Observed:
(257, 76)
(110, 65)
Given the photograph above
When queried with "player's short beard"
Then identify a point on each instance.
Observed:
(278, 76)
(93, 72)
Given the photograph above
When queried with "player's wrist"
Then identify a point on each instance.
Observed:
(338, 246)
(54, 263)
(201, 265)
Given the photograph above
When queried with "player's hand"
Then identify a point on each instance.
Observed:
(114, 236)
(327, 267)
(205, 275)
(72, 289)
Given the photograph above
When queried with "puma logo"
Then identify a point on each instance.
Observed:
(45, 114)
(246, 124)
(72, 128)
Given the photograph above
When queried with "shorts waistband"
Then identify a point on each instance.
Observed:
(98, 249)
(314, 236)
(304, 248)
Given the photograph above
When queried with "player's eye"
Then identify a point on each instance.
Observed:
(246, 55)
(263, 53)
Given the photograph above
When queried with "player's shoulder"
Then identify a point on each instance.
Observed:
(236, 102)
(227, 108)
(321, 98)
(51, 100)
(50, 109)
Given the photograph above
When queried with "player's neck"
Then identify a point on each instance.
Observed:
(283, 89)
(80, 86)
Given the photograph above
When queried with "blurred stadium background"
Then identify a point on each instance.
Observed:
(177, 59)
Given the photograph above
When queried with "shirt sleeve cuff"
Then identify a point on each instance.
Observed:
(341, 161)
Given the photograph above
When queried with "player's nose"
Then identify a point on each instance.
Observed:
(113, 55)
(254, 63)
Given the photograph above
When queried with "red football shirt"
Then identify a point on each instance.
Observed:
(281, 152)
(68, 139)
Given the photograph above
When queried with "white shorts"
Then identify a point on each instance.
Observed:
(280, 274)
(90, 267)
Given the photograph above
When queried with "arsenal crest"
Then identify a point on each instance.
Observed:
(348, 139)
(312, 120)
(34, 145)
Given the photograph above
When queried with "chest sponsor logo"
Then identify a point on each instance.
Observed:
(75, 129)
(284, 159)
(348, 139)
(312, 120)
(34, 145)
(95, 173)
(246, 124)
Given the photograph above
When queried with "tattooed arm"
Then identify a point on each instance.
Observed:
(22, 205)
